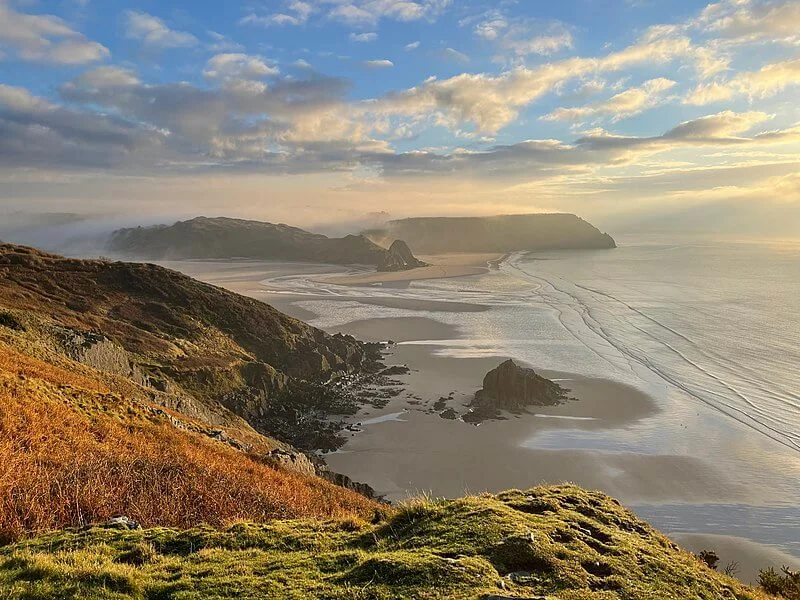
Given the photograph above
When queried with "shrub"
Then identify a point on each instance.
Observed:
(7, 319)
(785, 584)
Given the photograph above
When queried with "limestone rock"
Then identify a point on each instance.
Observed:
(511, 387)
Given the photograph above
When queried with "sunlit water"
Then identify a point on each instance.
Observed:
(709, 329)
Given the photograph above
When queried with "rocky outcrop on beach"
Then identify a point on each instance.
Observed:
(400, 258)
(513, 388)
(497, 234)
(223, 237)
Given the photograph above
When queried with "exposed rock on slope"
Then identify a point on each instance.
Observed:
(222, 237)
(502, 233)
(513, 388)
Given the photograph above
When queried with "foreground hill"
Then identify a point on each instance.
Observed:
(502, 233)
(78, 447)
(222, 237)
(557, 543)
(208, 353)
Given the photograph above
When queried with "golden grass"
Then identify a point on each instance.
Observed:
(71, 453)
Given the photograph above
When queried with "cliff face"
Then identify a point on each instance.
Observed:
(503, 233)
(204, 238)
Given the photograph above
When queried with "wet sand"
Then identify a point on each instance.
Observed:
(440, 266)
(406, 448)
(411, 451)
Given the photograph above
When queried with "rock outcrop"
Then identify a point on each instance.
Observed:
(400, 258)
(500, 234)
(513, 388)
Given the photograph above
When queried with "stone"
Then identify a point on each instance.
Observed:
(513, 388)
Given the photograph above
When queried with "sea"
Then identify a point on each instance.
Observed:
(709, 328)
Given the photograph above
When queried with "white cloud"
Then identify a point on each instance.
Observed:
(298, 13)
(46, 38)
(363, 37)
(411, 46)
(522, 37)
(453, 54)
(237, 66)
(746, 20)
(219, 43)
(154, 32)
(625, 104)
(491, 102)
(771, 79)
(378, 64)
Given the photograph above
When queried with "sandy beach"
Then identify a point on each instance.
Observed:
(440, 266)
(406, 448)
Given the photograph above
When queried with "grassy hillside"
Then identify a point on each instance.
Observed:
(556, 543)
(72, 452)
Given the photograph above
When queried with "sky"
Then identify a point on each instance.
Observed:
(638, 115)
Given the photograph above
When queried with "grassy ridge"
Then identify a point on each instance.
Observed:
(72, 452)
(556, 543)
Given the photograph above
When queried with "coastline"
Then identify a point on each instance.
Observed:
(404, 449)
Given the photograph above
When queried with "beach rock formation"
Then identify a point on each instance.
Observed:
(400, 258)
(500, 234)
(222, 237)
(513, 388)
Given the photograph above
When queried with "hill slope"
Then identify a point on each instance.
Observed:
(502, 233)
(74, 452)
(207, 352)
(558, 543)
(223, 237)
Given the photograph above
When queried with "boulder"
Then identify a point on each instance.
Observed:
(513, 388)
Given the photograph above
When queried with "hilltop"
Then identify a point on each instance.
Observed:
(501, 233)
(556, 543)
(223, 237)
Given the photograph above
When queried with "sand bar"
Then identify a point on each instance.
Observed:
(440, 266)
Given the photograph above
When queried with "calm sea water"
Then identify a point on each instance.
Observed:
(718, 321)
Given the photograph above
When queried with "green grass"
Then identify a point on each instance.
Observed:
(558, 543)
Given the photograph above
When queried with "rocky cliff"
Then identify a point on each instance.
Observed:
(513, 388)
(503, 233)
(222, 237)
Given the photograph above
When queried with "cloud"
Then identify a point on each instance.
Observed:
(490, 102)
(228, 67)
(748, 21)
(37, 133)
(453, 54)
(220, 43)
(46, 38)
(767, 81)
(625, 104)
(154, 33)
(298, 14)
(522, 37)
(411, 46)
(350, 12)
(363, 37)
(378, 64)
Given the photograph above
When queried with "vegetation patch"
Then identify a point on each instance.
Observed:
(474, 547)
